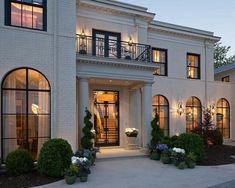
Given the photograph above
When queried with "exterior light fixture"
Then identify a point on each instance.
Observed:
(83, 34)
(180, 109)
(130, 43)
(212, 109)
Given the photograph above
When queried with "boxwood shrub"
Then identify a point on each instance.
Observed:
(54, 157)
(191, 142)
(19, 161)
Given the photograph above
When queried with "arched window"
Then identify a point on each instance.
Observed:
(25, 111)
(223, 117)
(161, 105)
(193, 113)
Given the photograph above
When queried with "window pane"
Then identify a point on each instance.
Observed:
(14, 102)
(37, 80)
(39, 126)
(39, 102)
(16, 79)
(37, 18)
(9, 145)
(192, 72)
(27, 16)
(16, 14)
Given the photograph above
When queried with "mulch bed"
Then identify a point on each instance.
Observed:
(25, 180)
(218, 155)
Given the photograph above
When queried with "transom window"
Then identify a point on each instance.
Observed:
(193, 113)
(160, 105)
(25, 111)
(26, 13)
(159, 56)
(193, 66)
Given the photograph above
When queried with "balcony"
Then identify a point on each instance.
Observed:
(115, 49)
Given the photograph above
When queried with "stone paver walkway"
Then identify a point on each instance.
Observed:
(141, 172)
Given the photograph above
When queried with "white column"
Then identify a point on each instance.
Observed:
(146, 114)
(83, 101)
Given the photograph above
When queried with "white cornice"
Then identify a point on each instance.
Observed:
(118, 8)
(183, 31)
(116, 62)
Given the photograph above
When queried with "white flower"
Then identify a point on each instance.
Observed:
(74, 159)
(131, 130)
(179, 150)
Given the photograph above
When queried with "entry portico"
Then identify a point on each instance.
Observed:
(131, 82)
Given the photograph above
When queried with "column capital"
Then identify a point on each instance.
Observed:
(83, 79)
(148, 83)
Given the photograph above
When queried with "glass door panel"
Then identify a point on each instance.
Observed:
(106, 118)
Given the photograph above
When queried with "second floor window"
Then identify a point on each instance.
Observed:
(26, 13)
(193, 66)
(225, 79)
(159, 56)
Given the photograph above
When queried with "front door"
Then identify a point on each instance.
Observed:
(106, 118)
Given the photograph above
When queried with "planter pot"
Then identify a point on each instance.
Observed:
(83, 178)
(128, 57)
(131, 143)
(165, 160)
(191, 164)
(70, 179)
(155, 156)
(182, 165)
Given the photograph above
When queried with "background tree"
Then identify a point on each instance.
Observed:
(221, 55)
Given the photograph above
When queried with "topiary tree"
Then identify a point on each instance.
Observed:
(208, 131)
(54, 157)
(18, 162)
(157, 133)
(86, 142)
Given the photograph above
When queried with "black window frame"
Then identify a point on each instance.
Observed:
(8, 14)
(157, 108)
(162, 63)
(27, 114)
(195, 67)
(192, 107)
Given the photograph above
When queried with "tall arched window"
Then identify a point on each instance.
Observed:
(223, 117)
(193, 113)
(161, 105)
(25, 111)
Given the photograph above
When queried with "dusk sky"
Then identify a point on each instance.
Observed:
(211, 15)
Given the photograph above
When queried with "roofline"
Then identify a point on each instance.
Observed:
(183, 30)
(122, 7)
(225, 68)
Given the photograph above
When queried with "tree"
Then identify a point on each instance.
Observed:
(157, 132)
(220, 55)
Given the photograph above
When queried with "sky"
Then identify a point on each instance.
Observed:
(211, 15)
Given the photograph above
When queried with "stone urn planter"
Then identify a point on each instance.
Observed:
(131, 134)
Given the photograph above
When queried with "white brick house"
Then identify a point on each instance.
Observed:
(59, 57)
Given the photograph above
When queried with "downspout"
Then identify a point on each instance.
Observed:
(54, 131)
(206, 98)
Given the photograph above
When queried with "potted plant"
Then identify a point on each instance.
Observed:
(177, 156)
(71, 174)
(131, 134)
(191, 160)
(165, 156)
(83, 165)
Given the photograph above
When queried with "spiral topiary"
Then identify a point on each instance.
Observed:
(86, 142)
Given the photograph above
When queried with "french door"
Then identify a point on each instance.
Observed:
(106, 44)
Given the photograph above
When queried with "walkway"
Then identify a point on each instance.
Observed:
(141, 172)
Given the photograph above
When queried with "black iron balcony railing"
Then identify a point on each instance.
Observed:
(101, 47)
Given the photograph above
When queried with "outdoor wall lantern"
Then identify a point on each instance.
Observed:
(82, 34)
(130, 43)
(212, 109)
(180, 109)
